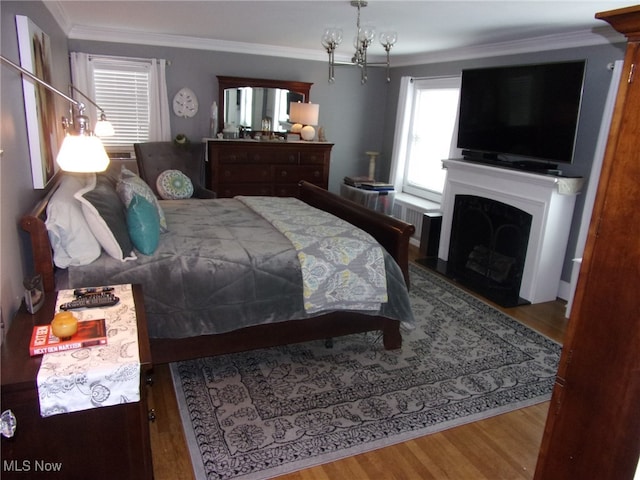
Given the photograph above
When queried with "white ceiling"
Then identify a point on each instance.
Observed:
(426, 30)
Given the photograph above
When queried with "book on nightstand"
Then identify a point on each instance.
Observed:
(357, 181)
(89, 334)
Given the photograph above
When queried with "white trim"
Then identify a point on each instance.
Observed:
(582, 38)
(179, 41)
(594, 179)
(417, 203)
(579, 38)
(403, 118)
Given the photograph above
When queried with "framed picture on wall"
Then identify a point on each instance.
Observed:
(43, 129)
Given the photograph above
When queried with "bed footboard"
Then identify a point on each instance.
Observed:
(332, 325)
(393, 234)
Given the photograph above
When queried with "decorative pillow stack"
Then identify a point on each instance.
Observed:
(88, 213)
(106, 216)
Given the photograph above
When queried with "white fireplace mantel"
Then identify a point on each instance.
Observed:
(550, 201)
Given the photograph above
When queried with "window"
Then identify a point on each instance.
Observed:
(131, 91)
(122, 90)
(426, 131)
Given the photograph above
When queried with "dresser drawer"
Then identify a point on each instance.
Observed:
(245, 173)
(295, 173)
(287, 190)
(313, 157)
(273, 156)
(232, 155)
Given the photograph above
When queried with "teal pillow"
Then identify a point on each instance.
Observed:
(143, 223)
(129, 184)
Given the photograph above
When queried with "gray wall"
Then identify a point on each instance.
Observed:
(351, 120)
(356, 118)
(16, 188)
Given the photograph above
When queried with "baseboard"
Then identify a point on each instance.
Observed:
(564, 290)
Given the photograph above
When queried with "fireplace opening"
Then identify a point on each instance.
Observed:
(488, 248)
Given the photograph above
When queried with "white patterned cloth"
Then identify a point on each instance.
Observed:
(96, 376)
(342, 266)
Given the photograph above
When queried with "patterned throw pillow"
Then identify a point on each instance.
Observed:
(174, 185)
(130, 184)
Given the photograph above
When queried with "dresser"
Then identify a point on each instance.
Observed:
(271, 168)
(98, 443)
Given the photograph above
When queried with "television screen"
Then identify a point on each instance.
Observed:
(528, 111)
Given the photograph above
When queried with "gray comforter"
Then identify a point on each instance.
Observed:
(221, 267)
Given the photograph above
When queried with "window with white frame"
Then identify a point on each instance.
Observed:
(426, 130)
(122, 89)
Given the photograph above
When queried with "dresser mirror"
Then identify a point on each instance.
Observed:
(255, 105)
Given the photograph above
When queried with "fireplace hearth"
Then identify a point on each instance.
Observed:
(488, 248)
(522, 205)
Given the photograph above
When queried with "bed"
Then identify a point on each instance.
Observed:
(224, 304)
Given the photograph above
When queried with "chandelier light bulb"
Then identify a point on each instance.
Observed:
(368, 33)
(331, 38)
(388, 39)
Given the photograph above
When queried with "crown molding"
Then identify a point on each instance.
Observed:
(59, 15)
(178, 41)
(582, 38)
(574, 39)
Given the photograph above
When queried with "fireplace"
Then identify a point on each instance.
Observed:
(488, 247)
(542, 211)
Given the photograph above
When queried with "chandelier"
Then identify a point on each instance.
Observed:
(332, 37)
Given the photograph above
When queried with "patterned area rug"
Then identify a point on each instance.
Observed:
(264, 413)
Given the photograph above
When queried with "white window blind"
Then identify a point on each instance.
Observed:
(122, 89)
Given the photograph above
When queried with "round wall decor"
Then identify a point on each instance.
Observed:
(185, 103)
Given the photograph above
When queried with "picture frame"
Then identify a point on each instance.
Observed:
(44, 132)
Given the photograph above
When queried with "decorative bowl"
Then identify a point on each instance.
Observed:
(64, 325)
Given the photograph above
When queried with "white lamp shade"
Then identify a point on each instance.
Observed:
(304, 113)
(104, 128)
(82, 153)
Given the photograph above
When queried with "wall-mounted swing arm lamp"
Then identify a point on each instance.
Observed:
(103, 127)
(81, 150)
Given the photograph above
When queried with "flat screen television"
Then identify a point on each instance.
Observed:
(523, 114)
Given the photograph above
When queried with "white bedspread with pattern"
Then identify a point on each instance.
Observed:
(342, 267)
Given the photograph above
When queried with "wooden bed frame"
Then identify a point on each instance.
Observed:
(393, 235)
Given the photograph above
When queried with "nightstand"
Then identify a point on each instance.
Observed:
(379, 200)
(106, 442)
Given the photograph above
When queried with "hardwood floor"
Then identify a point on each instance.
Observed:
(499, 448)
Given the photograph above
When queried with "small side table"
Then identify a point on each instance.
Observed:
(101, 443)
(378, 200)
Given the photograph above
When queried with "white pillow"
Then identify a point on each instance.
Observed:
(174, 185)
(106, 216)
(69, 233)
